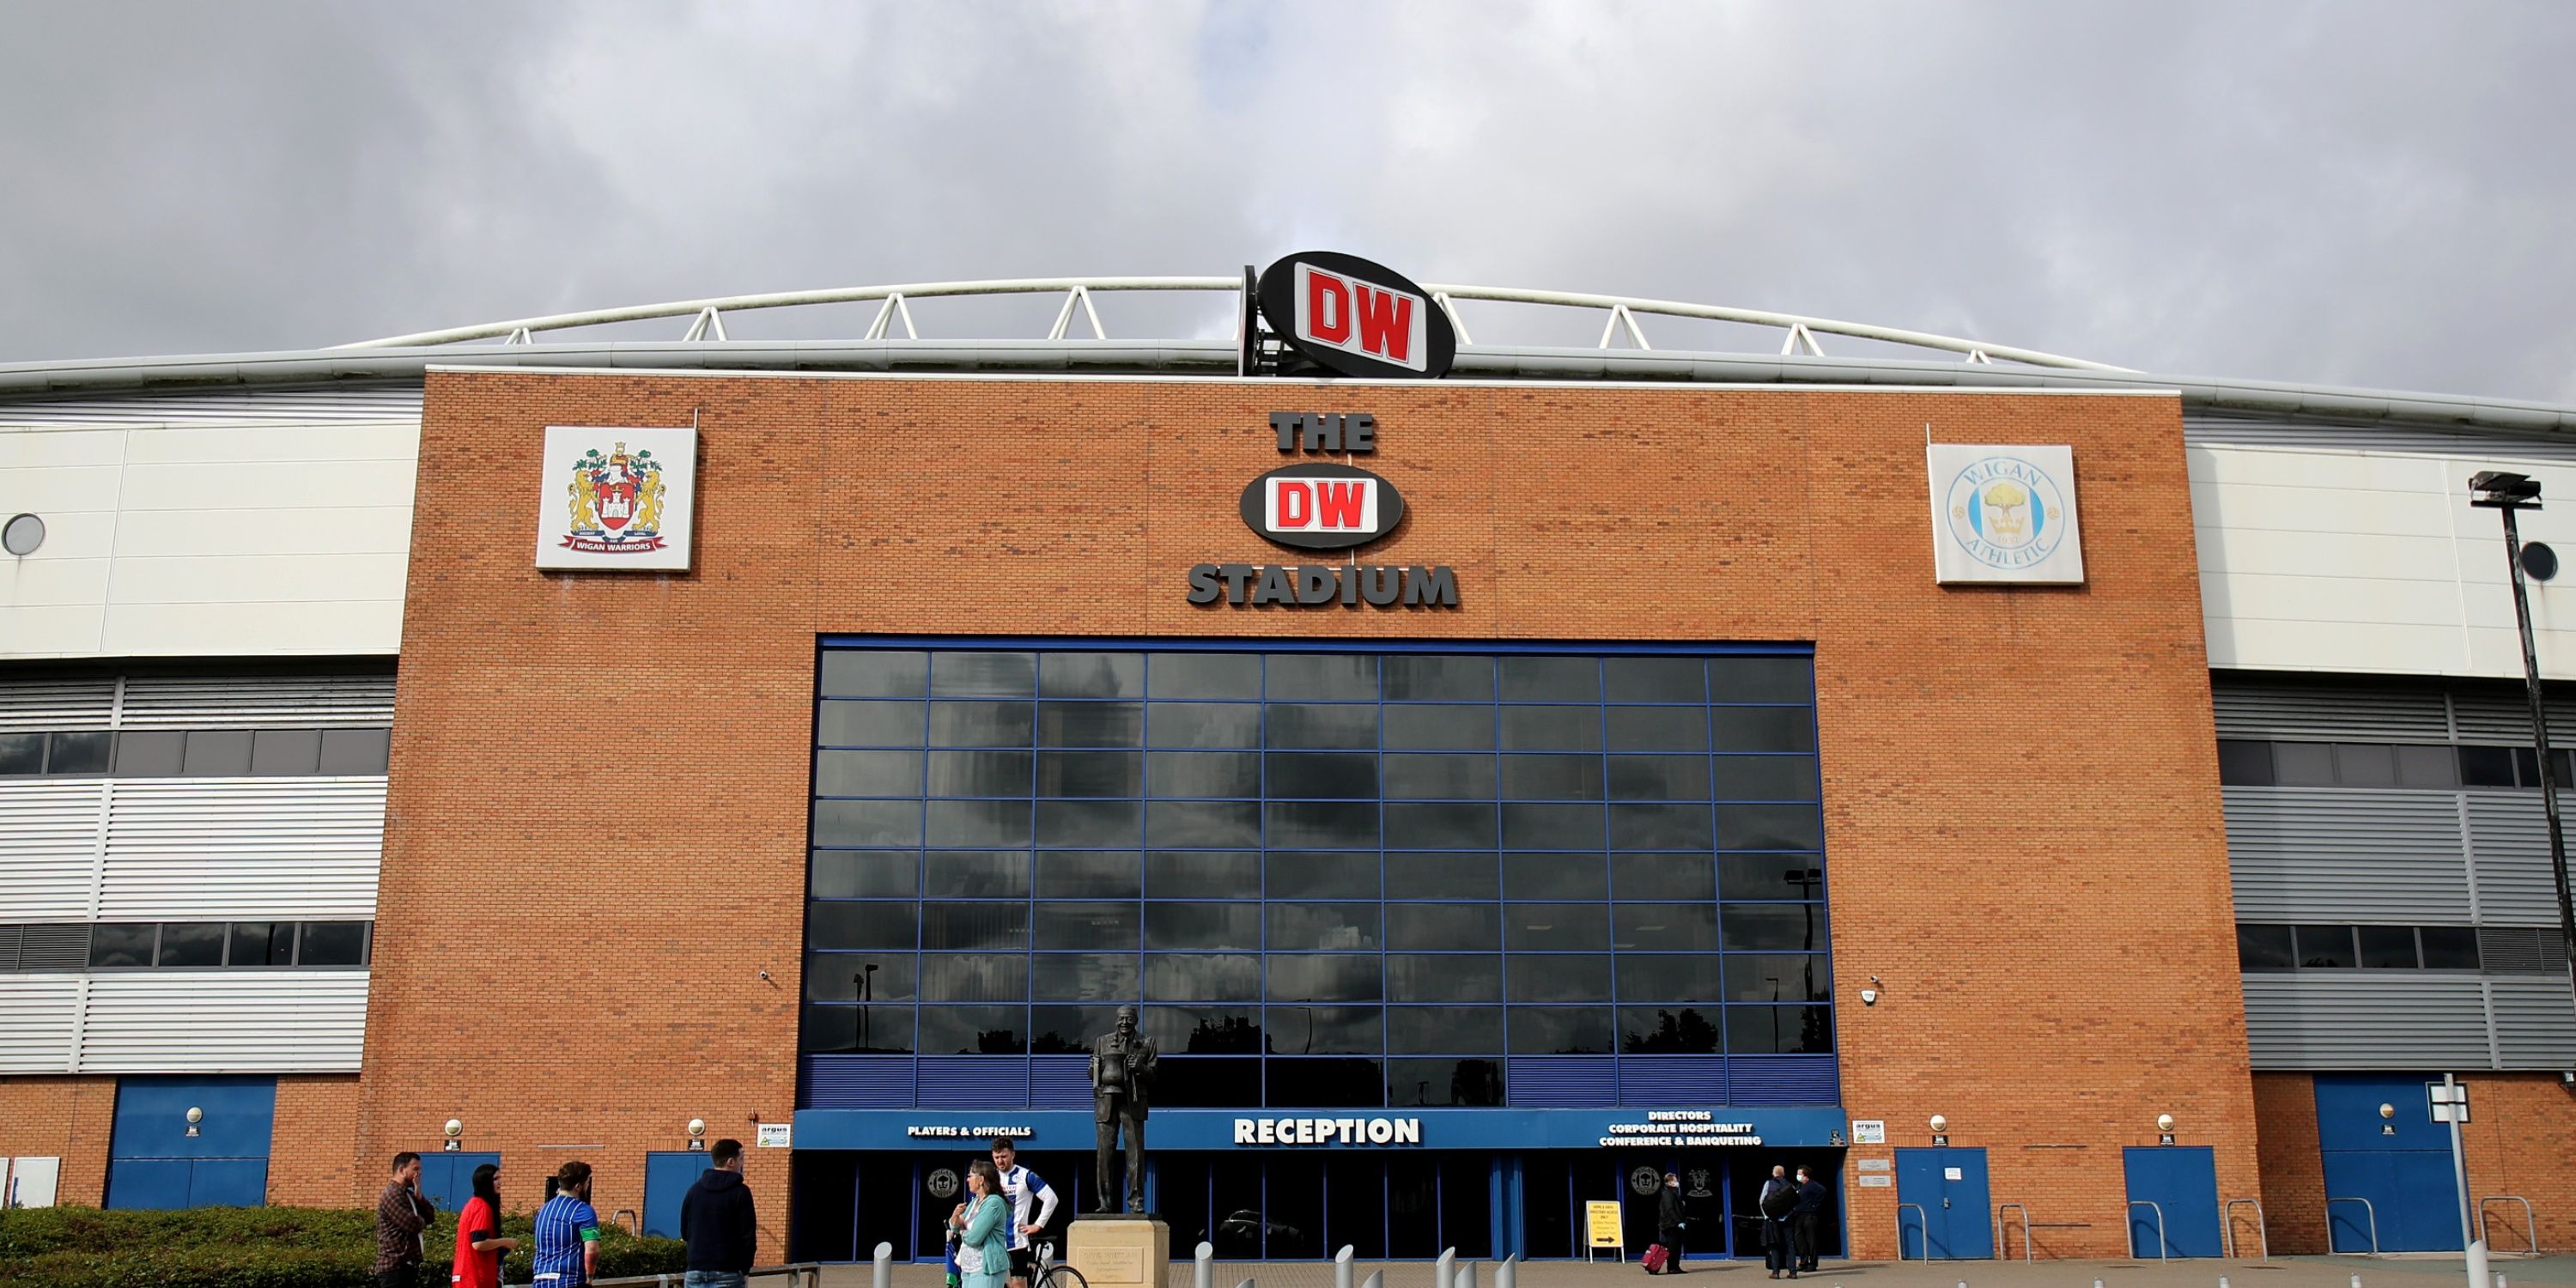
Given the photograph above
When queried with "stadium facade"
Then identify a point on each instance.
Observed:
(1661, 759)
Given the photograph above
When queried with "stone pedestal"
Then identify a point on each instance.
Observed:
(1120, 1249)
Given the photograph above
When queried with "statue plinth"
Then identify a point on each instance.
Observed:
(1120, 1249)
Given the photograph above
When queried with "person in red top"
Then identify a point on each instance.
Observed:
(479, 1245)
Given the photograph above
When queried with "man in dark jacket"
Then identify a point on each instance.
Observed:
(1669, 1222)
(1809, 1218)
(716, 1220)
(402, 1216)
(1779, 1234)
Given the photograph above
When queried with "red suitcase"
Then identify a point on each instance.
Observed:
(1655, 1258)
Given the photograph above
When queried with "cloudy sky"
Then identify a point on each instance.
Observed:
(2377, 194)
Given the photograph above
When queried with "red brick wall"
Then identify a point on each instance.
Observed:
(2294, 1179)
(312, 1153)
(65, 1118)
(2520, 1138)
(595, 842)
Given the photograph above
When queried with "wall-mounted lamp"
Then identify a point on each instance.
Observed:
(2388, 1111)
(2164, 1129)
(455, 1128)
(1940, 1130)
(697, 1133)
(195, 1116)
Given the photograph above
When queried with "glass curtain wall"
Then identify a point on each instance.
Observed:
(1331, 878)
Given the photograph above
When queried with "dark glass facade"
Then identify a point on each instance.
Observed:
(1331, 877)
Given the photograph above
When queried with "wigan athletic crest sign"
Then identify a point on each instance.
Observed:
(2005, 515)
(617, 499)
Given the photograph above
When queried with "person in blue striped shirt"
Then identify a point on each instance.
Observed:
(567, 1254)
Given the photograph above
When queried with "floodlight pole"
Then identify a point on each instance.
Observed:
(2539, 728)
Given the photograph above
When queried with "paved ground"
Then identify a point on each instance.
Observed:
(2284, 1272)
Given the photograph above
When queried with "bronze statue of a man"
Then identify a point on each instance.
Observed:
(1122, 1082)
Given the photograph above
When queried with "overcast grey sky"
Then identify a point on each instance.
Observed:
(2362, 193)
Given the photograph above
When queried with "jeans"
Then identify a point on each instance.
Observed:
(712, 1279)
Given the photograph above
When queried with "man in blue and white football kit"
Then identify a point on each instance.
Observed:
(1032, 1206)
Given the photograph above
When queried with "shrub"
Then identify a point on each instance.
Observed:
(256, 1248)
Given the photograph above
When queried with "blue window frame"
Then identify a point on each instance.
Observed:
(1294, 856)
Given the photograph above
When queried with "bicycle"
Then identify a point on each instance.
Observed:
(1047, 1272)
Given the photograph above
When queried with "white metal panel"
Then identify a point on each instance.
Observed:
(211, 525)
(2333, 558)
(224, 1022)
(49, 832)
(253, 701)
(211, 848)
(37, 1016)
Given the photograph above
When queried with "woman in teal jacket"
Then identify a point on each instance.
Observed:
(984, 1225)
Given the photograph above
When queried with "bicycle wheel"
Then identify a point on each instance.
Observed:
(1061, 1276)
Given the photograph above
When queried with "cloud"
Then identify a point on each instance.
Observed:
(2362, 193)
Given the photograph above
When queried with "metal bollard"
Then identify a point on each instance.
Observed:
(1203, 1266)
(1376, 1279)
(881, 1267)
(1467, 1275)
(2500, 1279)
(2356, 1280)
(1507, 1275)
(2222, 1281)
(1245, 1284)
(1444, 1273)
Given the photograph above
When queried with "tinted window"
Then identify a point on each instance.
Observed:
(1554, 876)
(1565, 977)
(2450, 948)
(1674, 927)
(2365, 764)
(856, 874)
(976, 874)
(1203, 675)
(1551, 728)
(1323, 774)
(1773, 926)
(1560, 1030)
(1203, 926)
(2244, 764)
(1323, 977)
(1091, 724)
(853, 977)
(1106, 874)
(80, 753)
(857, 926)
(877, 773)
(262, 943)
(974, 977)
(353, 751)
(870, 724)
(2303, 764)
(2486, 766)
(121, 944)
(1298, 724)
(1669, 977)
(1778, 977)
(1657, 728)
(1545, 927)
(1444, 1082)
(1677, 1030)
(2388, 948)
(1440, 728)
(1440, 876)
(22, 753)
(1755, 1030)
(2427, 767)
(1297, 927)
(286, 751)
(1068, 1030)
(192, 943)
(1214, 824)
(1202, 977)
(1551, 679)
(1322, 677)
(1435, 776)
(1201, 874)
(951, 773)
(1430, 1029)
(2264, 948)
(990, 927)
(1086, 925)
(1311, 874)
(974, 1030)
(1204, 724)
(2325, 946)
(1662, 876)
(873, 673)
(332, 943)
(1203, 773)
(153, 755)
(981, 724)
(856, 823)
(217, 753)
(1762, 728)
(1655, 679)
(983, 675)
(1443, 926)
(1091, 675)
(1414, 677)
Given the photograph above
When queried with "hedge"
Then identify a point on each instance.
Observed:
(278, 1247)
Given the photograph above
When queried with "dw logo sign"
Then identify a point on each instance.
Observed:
(1345, 314)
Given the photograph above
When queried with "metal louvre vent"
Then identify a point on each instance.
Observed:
(2336, 854)
(59, 946)
(2522, 950)
(35, 706)
(2250, 708)
(2213, 430)
(2505, 717)
(285, 405)
(191, 702)
(2375, 1020)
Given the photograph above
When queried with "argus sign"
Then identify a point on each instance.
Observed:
(1345, 314)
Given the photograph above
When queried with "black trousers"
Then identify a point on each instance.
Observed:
(1780, 1251)
(399, 1277)
(1811, 1237)
(1671, 1237)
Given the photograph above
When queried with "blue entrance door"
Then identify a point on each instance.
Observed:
(2173, 1194)
(2399, 1166)
(448, 1180)
(1949, 1218)
(153, 1161)
(668, 1175)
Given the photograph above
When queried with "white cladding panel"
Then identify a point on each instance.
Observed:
(191, 849)
(2342, 559)
(224, 1022)
(38, 1014)
(214, 526)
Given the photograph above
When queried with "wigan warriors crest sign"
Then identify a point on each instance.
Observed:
(617, 499)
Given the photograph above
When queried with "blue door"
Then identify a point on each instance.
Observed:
(1949, 1219)
(667, 1178)
(2400, 1166)
(153, 1161)
(2181, 1182)
(447, 1180)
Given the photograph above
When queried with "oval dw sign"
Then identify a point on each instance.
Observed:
(1322, 507)
(1346, 314)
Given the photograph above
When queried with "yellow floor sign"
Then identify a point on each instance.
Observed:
(1603, 1221)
